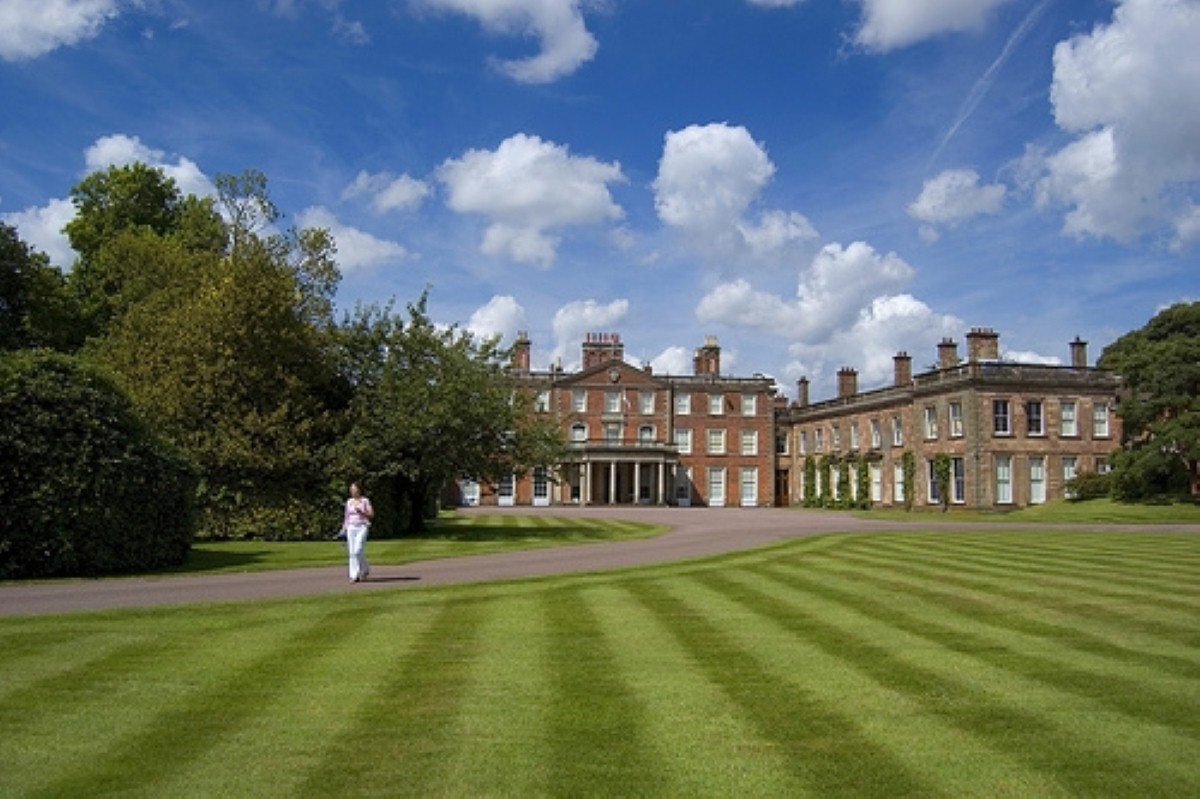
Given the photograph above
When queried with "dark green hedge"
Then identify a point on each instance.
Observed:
(85, 489)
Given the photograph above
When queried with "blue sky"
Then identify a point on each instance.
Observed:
(818, 183)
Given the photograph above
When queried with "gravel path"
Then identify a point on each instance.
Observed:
(695, 532)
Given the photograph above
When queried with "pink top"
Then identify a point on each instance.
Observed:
(358, 511)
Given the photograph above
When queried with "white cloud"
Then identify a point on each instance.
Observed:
(672, 361)
(42, 228)
(575, 320)
(884, 327)
(891, 24)
(527, 187)
(32, 28)
(955, 196)
(708, 178)
(1127, 91)
(558, 24)
(388, 192)
(121, 150)
(1187, 229)
(832, 291)
(502, 316)
(356, 249)
(775, 3)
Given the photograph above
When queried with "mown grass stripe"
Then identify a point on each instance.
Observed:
(593, 710)
(1162, 622)
(888, 705)
(1138, 552)
(182, 731)
(1008, 704)
(400, 736)
(806, 730)
(701, 743)
(1073, 571)
(1045, 658)
(502, 734)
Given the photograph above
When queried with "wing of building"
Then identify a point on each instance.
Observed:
(1013, 433)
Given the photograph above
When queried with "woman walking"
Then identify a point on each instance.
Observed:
(356, 522)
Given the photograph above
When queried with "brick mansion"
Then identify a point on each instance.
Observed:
(1013, 433)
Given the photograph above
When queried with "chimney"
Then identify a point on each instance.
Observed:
(520, 353)
(903, 366)
(599, 348)
(983, 344)
(847, 382)
(707, 360)
(1079, 353)
(947, 351)
(802, 392)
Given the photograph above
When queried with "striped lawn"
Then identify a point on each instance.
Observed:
(935, 664)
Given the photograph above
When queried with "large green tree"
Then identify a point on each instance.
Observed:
(432, 404)
(36, 309)
(1159, 406)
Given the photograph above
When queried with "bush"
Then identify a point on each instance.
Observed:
(85, 489)
(1088, 485)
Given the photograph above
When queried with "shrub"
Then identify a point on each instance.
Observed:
(84, 487)
(1088, 485)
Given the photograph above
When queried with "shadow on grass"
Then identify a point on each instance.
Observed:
(474, 533)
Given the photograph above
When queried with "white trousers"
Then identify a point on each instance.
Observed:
(356, 538)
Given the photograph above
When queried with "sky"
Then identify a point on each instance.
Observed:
(819, 184)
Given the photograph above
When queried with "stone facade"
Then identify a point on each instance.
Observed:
(1014, 433)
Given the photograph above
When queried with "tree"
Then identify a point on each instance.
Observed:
(35, 308)
(941, 479)
(85, 487)
(433, 404)
(1159, 405)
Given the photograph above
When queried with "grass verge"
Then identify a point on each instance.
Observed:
(990, 663)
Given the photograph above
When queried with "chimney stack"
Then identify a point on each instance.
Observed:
(947, 351)
(600, 348)
(847, 382)
(520, 353)
(802, 392)
(707, 360)
(1079, 353)
(983, 344)
(903, 368)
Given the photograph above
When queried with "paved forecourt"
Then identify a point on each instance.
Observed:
(693, 533)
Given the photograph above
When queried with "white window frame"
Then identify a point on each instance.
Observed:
(715, 441)
(541, 401)
(646, 402)
(876, 434)
(1006, 428)
(1100, 425)
(579, 432)
(612, 401)
(749, 442)
(956, 419)
(931, 423)
(749, 405)
(876, 472)
(612, 432)
(1004, 494)
(898, 483)
(683, 404)
(854, 436)
(802, 442)
(819, 440)
(716, 404)
(1070, 468)
(716, 486)
(683, 440)
(1037, 480)
(579, 400)
(897, 431)
(748, 487)
(645, 434)
(1068, 418)
(1039, 417)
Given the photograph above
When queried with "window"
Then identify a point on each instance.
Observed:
(958, 481)
(853, 436)
(1001, 417)
(749, 442)
(541, 486)
(781, 443)
(646, 434)
(897, 432)
(956, 420)
(1003, 480)
(931, 420)
(876, 483)
(541, 403)
(716, 487)
(716, 442)
(1070, 467)
(803, 442)
(836, 438)
(683, 441)
(818, 440)
(1037, 481)
(876, 435)
(898, 482)
(579, 433)
(612, 401)
(646, 402)
(716, 404)
(612, 431)
(934, 496)
(1100, 420)
(579, 400)
(683, 404)
(749, 405)
(749, 487)
(1103, 466)
(1034, 420)
(1070, 426)
(683, 486)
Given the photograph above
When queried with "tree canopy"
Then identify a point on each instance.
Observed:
(1159, 365)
